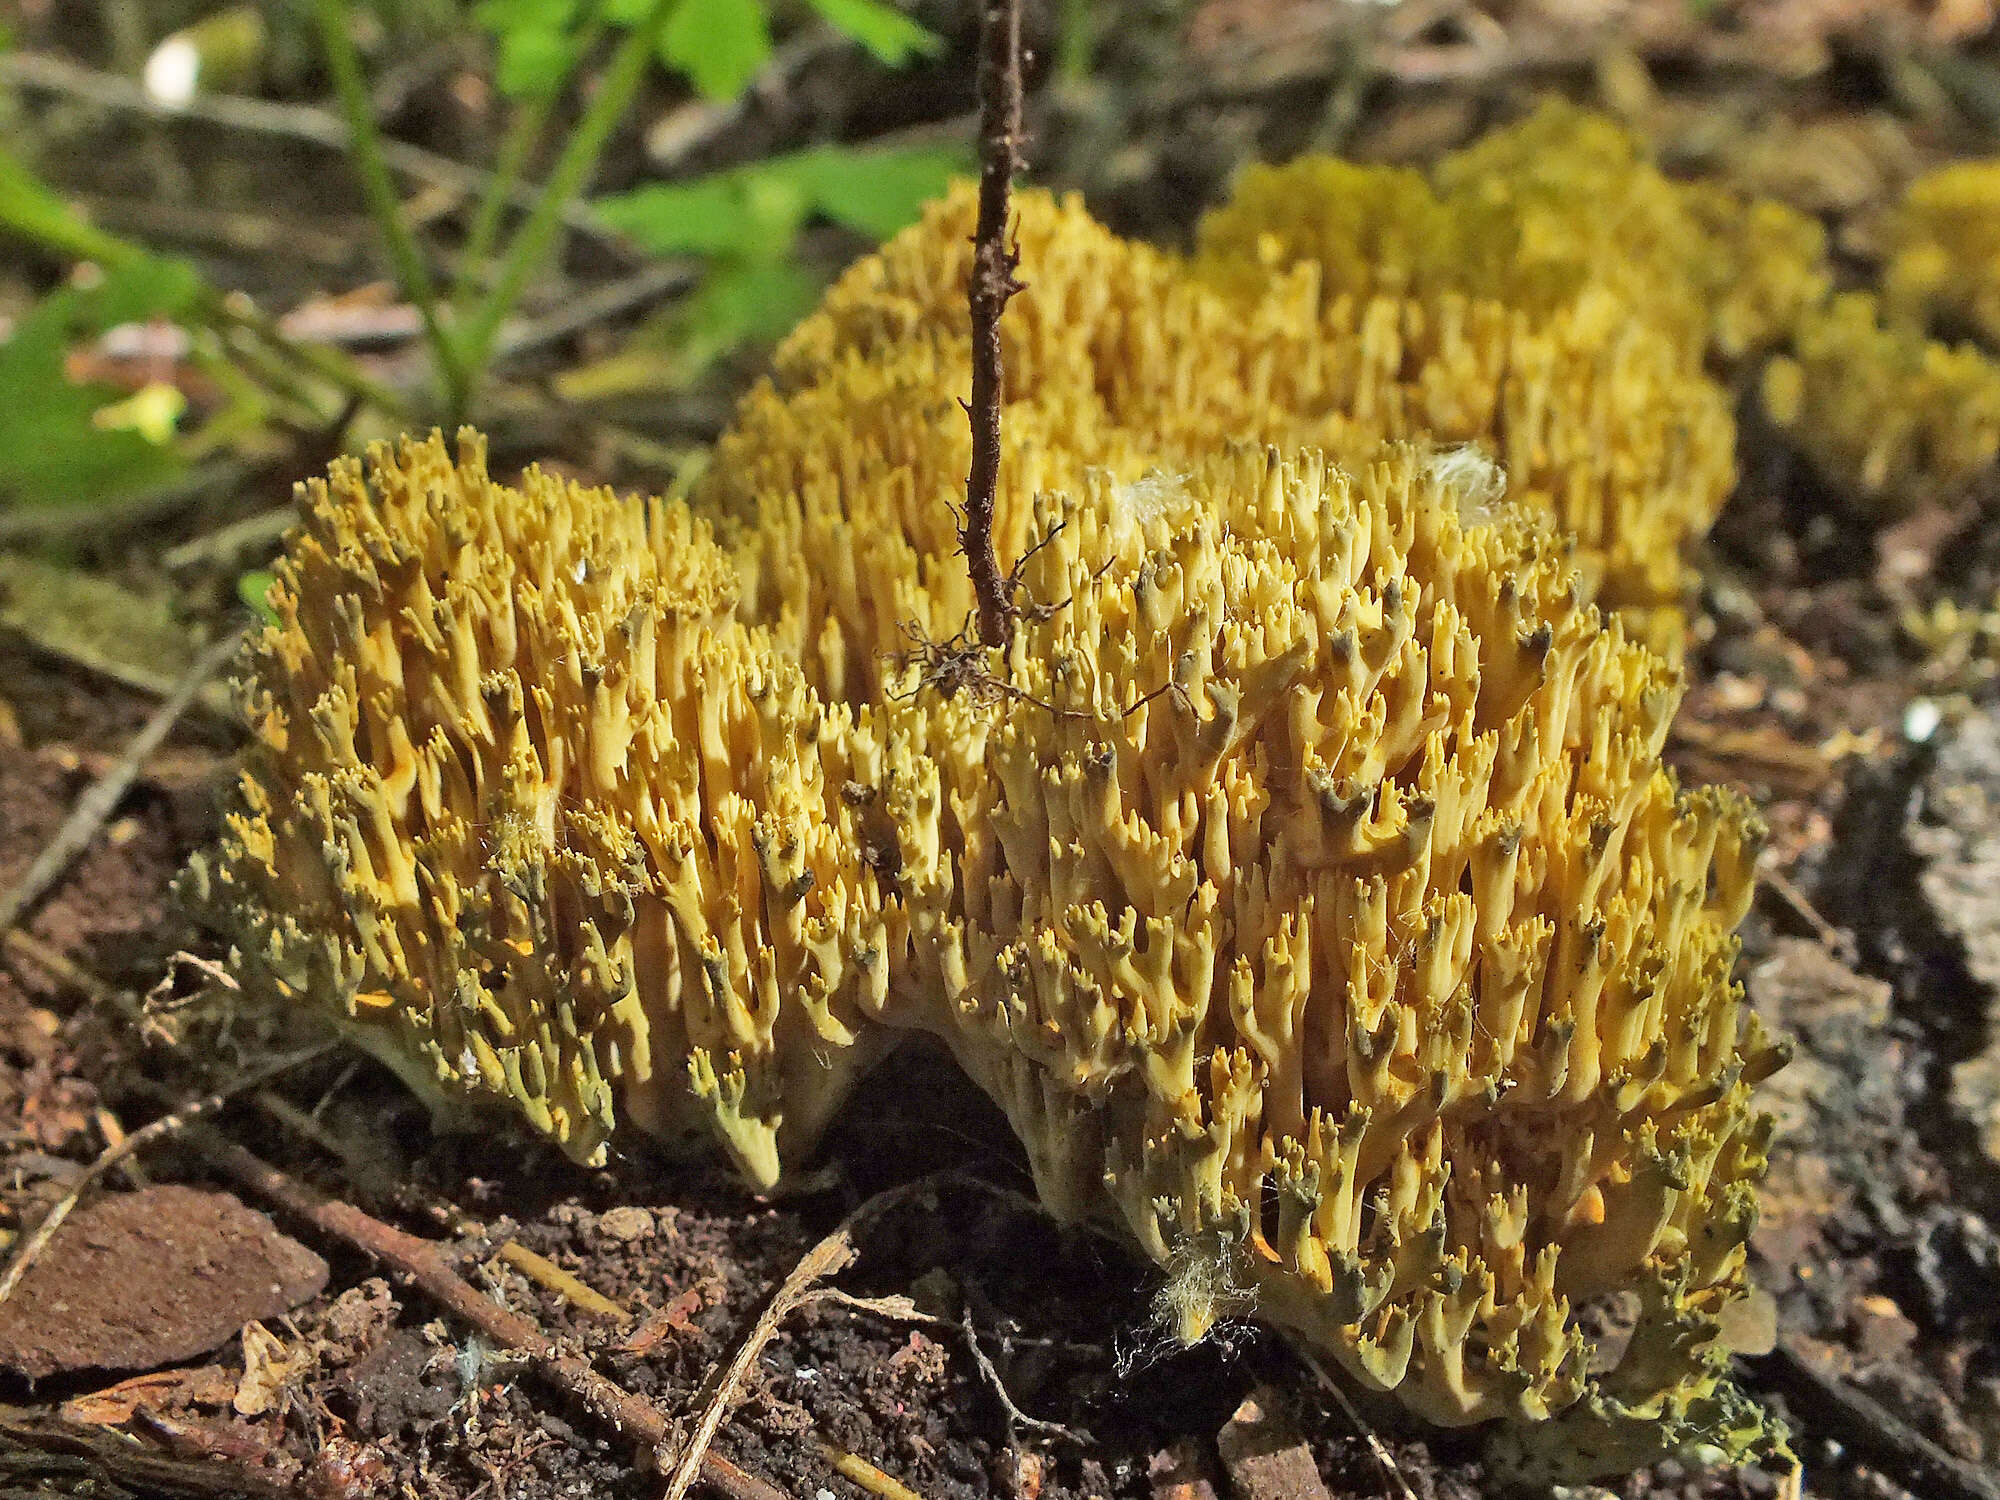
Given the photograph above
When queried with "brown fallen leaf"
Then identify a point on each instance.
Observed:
(268, 1367)
(162, 1390)
(673, 1318)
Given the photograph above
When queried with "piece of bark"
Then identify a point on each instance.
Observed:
(139, 1280)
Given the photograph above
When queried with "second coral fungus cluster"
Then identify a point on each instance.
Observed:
(1302, 879)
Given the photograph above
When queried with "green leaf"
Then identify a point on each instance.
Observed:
(892, 37)
(719, 44)
(535, 40)
(744, 301)
(744, 214)
(55, 448)
(538, 42)
(153, 286)
(754, 213)
(874, 192)
(254, 589)
(52, 452)
(33, 211)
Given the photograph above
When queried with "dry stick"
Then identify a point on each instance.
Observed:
(298, 122)
(180, 1119)
(368, 1178)
(828, 1256)
(992, 283)
(422, 1263)
(853, 1466)
(1015, 1416)
(1376, 1446)
(57, 964)
(97, 804)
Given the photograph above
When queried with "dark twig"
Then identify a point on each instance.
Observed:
(993, 266)
(95, 805)
(424, 1265)
(40, 1454)
(1831, 1408)
(1016, 1418)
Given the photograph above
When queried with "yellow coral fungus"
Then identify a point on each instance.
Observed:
(1323, 914)
(541, 823)
(1945, 249)
(1302, 879)
(1118, 357)
(1891, 418)
(1562, 211)
(1303, 882)
(1532, 216)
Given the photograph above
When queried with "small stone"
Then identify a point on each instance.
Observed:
(1019, 1473)
(627, 1226)
(1177, 1472)
(1265, 1454)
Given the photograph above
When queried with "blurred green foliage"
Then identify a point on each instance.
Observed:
(718, 44)
(67, 440)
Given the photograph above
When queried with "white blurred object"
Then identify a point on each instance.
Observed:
(215, 55)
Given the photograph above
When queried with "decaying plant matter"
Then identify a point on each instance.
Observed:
(1301, 877)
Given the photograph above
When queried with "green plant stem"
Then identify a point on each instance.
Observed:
(365, 146)
(1076, 39)
(532, 241)
(336, 369)
(524, 130)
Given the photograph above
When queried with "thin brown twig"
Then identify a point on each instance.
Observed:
(900, 1309)
(1376, 1446)
(423, 1264)
(1015, 1416)
(57, 964)
(297, 122)
(168, 1124)
(1836, 942)
(992, 284)
(97, 804)
(826, 1257)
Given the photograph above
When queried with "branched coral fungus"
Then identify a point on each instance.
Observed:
(1301, 879)
(1303, 882)
(1118, 356)
(1323, 914)
(1945, 249)
(1562, 213)
(1893, 418)
(1532, 216)
(542, 823)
